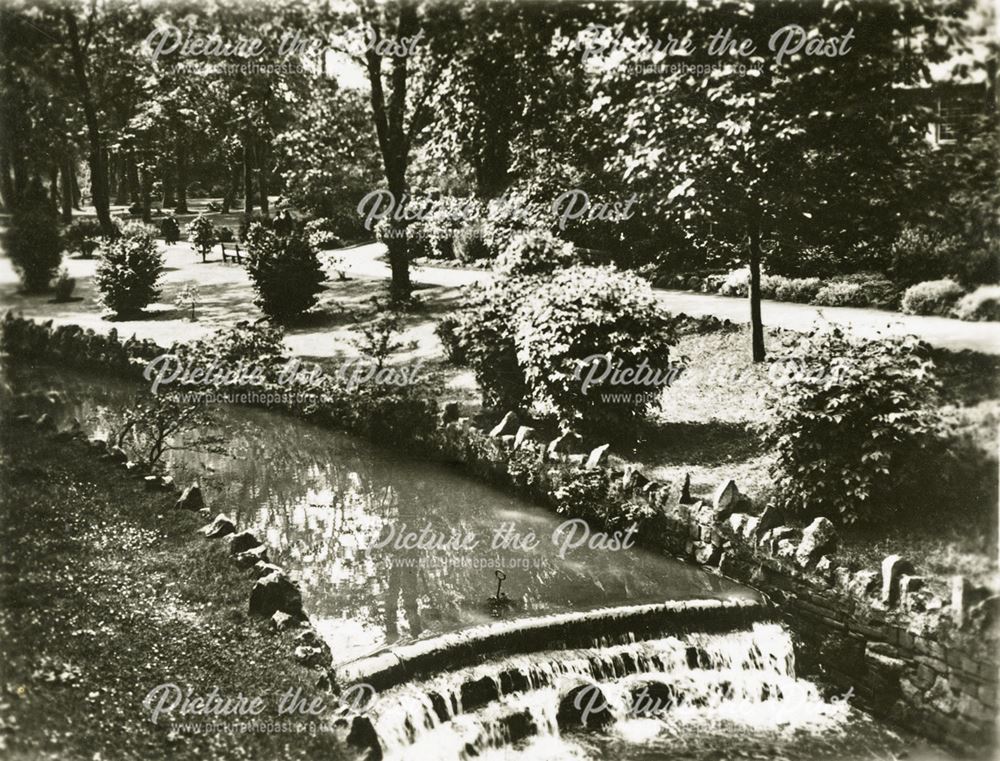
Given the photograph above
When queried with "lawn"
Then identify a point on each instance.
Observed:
(106, 593)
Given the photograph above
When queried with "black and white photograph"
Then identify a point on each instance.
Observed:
(508, 380)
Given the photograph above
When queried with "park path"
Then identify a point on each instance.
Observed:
(228, 295)
(866, 323)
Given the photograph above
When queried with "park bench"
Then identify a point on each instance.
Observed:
(230, 250)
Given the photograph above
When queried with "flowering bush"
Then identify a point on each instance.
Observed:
(129, 270)
(321, 233)
(535, 252)
(285, 271)
(982, 304)
(931, 297)
(736, 283)
(799, 289)
(854, 429)
(583, 336)
(202, 234)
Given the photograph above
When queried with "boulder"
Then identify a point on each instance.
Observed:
(251, 557)
(276, 592)
(190, 499)
(686, 498)
(223, 525)
(568, 443)
(892, 568)
(818, 538)
(633, 478)
(706, 553)
(506, 427)
(725, 500)
(772, 517)
(864, 583)
(598, 457)
(263, 568)
(311, 656)
(242, 542)
(584, 705)
(525, 433)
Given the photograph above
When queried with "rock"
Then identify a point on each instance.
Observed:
(770, 539)
(633, 478)
(134, 468)
(736, 523)
(98, 443)
(584, 705)
(263, 568)
(117, 455)
(524, 434)
(772, 517)
(506, 427)
(864, 583)
(785, 548)
(568, 443)
(252, 556)
(242, 542)
(281, 621)
(276, 592)
(960, 587)
(310, 656)
(706, 553)
(190, 499)
(66, 435)
(450, 412)
(750, 529)
(223, 525)
(892, 568)
(941, 696)
(725, 500)
(598, 457)
(817, 538)
(686, 498)
(46, 423)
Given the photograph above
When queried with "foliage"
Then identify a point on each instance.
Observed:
(285, 271)
(129, 270)
(202, 235)
(223, 234)
(152, 424)
(82, 236)
(247, 222)
(584, 312)
(982, 304)
(321, 233)
(920, 254)
(470, 244)
(33, 244)
(853, 429)
(512, 213)
(170, 229)
(535, 252)
(931, 297)
(64, 286)
(798, 289)
(736, 283)
(187, 298)
(859, 291)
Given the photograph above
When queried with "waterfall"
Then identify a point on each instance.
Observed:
(743, 677)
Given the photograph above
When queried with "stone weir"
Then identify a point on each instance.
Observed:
(601, 627)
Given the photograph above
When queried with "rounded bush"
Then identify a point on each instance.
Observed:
(536, 252)
(594, 346)
(470, 245)
(82, 236)
(129, 270)
(736, 283)
(33, 242)
(855, 428)
(982, 304)
(919, 254)
(202, 234)
(798, 289)
(859, 291)
(321, 233)
(285, 271)
(169, 229)
(931, 297)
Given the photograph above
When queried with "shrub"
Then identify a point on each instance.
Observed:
(321, 234)
(248, 221)
(444, 219)
(470, 245)
(510, 214)
(82, 236)
(170, 229)
(202, 235)
(285, 271)
(854, 428)
(919, 254)
(481, 335)
(712, 283)
(931, 297)
(33, 243)
(129, 270)
(735, 283)
(859, 291)
(982, 304)
(64, 286)
(596, 324)
(535, 252)
(223, 234)
(798, 289)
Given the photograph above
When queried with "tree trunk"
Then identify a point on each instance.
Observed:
(756, 324)
(77, 195)
(122, 195)
(247, 179)
(231, 186)
(98, 172)
(168, 184)
(66, 185)
(262, 177)
(133, 179)
(8, 199)
(145, 193)
(182, 172)
(54, 188)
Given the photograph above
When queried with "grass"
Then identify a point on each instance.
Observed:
(105, 593)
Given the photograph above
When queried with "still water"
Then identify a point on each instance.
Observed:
(386, 547)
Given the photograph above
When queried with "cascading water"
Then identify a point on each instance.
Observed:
(513, 706)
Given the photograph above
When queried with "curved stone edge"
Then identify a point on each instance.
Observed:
(583, 629)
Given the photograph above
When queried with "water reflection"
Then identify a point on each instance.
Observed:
(324, 503)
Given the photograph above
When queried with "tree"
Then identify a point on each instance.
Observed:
(754, 146)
